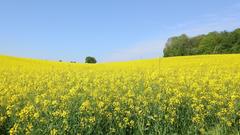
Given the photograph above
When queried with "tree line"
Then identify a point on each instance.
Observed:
(212, 43)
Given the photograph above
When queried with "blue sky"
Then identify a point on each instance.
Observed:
(110, 30)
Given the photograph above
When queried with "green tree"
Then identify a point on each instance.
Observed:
(195, 41)
(90, 59)
(212, 43)
(209, 42)
(236, 41)
(177, 46)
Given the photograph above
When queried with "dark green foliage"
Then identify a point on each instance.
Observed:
(212, 43)
(90, 59)
(177, 46)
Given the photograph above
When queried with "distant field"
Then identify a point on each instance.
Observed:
(178, 95)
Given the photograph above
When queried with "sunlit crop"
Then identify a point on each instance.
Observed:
(182, 95)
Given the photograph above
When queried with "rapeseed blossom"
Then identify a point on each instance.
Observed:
(181, 95)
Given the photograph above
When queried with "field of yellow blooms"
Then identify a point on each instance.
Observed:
(180, 95)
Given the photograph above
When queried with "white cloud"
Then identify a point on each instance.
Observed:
(154, 48)
(228, 19)
(202, 25)
(143, 50)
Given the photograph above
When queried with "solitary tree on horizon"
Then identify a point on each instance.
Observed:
(90, 59)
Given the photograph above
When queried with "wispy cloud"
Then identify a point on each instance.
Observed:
(226, 23)
(228, 20)
(143, 50)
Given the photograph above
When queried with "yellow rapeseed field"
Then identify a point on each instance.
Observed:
(180, 95)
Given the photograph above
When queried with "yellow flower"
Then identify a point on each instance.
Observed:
(53, 132)
(92, 119)
(14, 129)
(85, 105)
(39, 95)
(100, 104)
(36, 115)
